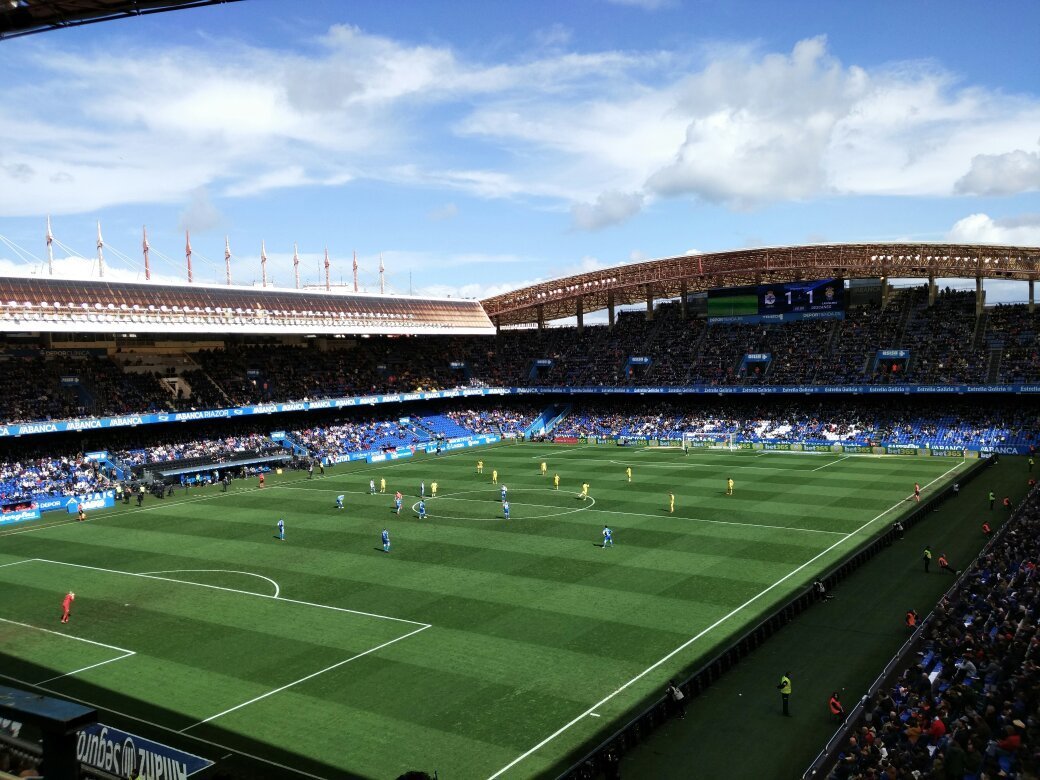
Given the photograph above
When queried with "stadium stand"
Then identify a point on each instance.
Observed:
(967, 707)
(21, 480)
(943, 344)
(940, 422)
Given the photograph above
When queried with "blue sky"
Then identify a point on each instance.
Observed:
(478, 146)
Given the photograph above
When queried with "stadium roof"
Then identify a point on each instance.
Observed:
(24, 17)
(672, 277)
(46, 304)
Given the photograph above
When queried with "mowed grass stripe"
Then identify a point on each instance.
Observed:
(531, 621)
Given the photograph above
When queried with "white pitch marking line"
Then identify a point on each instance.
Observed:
(67, 636)
(552, 453)
(236, 590)
(277, 590)
(693, 639)
(304, 679)
(236, 492)
(85, 668)
(155, 725)
(450, 496)
(825, 465)
(728, 522)
(702, 466)
(15, 563)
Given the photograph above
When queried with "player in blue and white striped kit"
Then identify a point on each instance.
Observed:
(505, 509)
(504, 489)
(339, 502)
(386, 540)
(608, 537)
(422, 510)
(281, 530)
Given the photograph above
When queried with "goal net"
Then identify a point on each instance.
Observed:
(710, 441)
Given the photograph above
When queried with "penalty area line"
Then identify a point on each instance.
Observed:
(304, 679)
(38, 686)
(702, 633)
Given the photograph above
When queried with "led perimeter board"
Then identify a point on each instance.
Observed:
(786, 302)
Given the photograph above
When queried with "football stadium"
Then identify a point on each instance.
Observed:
(760, 512)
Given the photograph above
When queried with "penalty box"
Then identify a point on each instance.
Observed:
(198, 648)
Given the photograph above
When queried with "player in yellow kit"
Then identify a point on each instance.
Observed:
(729, 486)
(480, 467)
(433, 490)
(382, 484)
(628, 473)
(556, 481)
(545, 469)
(584, 490)
(494, 476)
(671, 503)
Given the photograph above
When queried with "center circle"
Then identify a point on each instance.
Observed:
(591, 502)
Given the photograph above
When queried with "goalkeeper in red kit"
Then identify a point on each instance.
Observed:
(66, 606)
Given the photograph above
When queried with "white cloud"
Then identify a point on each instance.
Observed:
(610, 208)
(801, 125)
(200, 214)
(1023, 230)
(1002, 174)
(443, 213)
(554, 36)
(599, 133)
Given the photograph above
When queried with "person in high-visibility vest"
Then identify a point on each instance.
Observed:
(927, 558)
(837, 711)
(992, 499)
(785, 691)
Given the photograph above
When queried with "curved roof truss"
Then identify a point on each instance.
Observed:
(673, 276)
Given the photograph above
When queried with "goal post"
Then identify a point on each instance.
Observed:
(710, 441)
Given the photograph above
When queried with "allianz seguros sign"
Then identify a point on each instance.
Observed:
(132, 757)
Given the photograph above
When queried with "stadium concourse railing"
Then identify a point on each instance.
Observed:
(653, 712)
(855, 718)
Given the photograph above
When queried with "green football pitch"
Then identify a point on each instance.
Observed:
(478, 647)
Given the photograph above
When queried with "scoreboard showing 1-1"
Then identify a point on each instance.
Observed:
(818, 296)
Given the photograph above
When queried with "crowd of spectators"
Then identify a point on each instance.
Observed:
(329, 441)
(22, 479)
(43, 387)
(506, 420)
(945, 344)
(849, 421)
(1013, 332)
(969, 707)
(219, 448)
